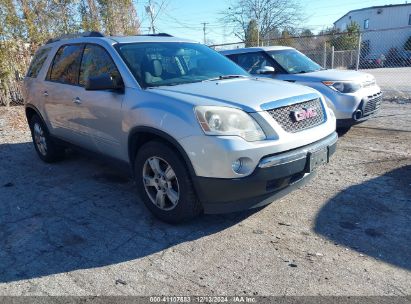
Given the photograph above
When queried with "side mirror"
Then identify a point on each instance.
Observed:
(102, 82)
(267, 70)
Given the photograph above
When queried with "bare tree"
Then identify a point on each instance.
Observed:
(269, 14)
(153, 10)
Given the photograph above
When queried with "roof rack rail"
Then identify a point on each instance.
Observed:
(158, 35)
(77, 35)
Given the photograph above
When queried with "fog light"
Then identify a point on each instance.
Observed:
(237, 165)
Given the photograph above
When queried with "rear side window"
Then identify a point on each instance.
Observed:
(96, 61)
(66, 64)
(37, 62)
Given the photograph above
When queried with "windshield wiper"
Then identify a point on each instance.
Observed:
(222, 77)
(305, 72)
(172, 84)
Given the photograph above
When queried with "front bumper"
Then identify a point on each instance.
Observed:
(344, 105)
(275, 176)
(368, 107)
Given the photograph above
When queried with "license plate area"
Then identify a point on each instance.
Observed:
(317, 158)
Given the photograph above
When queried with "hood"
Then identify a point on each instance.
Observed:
(248, 94)
(332, 75)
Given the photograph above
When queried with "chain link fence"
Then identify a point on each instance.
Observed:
(386, 54)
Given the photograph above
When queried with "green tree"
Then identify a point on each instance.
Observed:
(118, 17)
(251, 35)
(27, 24)
(63, 16)
(90, 16)
(286, 38)
(10, 46)
(39, 21)
(306, 33)
(10, 23)
(348, 40)
(129, 20)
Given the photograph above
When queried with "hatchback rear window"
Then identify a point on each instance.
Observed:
(37, 62)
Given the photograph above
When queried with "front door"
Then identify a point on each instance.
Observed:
(101, 110)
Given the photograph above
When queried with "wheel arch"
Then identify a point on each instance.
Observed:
(141, 135)
(30, 111)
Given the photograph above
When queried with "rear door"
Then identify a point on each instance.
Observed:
(62, 91)
(33, 88)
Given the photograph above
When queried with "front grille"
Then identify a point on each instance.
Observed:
(373, 103)
(285, 118)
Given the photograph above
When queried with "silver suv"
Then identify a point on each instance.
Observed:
(353, 96)
(200, 133)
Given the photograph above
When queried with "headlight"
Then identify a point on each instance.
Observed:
(228, 121)
(343, 86)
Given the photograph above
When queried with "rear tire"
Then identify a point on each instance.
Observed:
(164, 183)
(45, 146)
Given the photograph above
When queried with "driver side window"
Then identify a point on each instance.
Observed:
(97, 61)
(252, 62)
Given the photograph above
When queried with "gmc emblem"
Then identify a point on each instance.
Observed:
(304, 114)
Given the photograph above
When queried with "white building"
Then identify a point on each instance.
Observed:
(384, 27)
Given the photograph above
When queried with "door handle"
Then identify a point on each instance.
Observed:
(45, 93)
(77, 100)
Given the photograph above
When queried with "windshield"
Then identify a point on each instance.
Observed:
(173, 63)
(294, 62)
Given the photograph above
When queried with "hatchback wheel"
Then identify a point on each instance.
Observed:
(164, 183)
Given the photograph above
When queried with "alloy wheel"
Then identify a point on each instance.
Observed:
(161, 183)
(40, 139)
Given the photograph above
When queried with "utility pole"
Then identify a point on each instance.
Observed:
(357, 63)
(204, 31)
(150, 12)
(258, 22)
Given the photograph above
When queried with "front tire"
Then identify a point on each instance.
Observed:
(343, 130)
(164, 183)
(46, 148)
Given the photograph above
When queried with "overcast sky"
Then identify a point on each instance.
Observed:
(183, 18)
